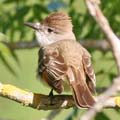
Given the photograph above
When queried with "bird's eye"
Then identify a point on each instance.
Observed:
(50, 30)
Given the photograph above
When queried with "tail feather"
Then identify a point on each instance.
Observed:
(82, 98)
(81, 93)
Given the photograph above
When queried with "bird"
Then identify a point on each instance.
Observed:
(62, 59)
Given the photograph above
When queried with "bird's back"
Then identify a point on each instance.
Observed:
(78, 63)
(70, 50)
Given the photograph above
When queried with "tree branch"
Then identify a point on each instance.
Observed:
(91, 43)
(114, 42)
(21, 45)
(43, 102)
(34, 100)
(101, 100)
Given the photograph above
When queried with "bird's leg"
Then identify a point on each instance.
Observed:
(51, 93)
(51, 97)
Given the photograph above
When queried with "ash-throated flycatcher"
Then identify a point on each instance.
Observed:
(62, 58)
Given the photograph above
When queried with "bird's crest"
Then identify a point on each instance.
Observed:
(59, 21)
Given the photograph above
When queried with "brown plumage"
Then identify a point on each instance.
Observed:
(69, 59)
(61, 57)
(58, 21)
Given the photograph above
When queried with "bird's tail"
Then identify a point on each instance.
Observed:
(81, 93)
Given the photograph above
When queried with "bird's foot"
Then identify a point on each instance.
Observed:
(51, 96)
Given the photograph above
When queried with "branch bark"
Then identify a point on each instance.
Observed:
(91, 43)
(43, 102)
(114, 42)
(101, 100)
(112, 39)
(34, 100)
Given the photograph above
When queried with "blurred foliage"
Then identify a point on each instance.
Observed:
(73, 114)
(102, 116)
(22, 64)
(13, 13)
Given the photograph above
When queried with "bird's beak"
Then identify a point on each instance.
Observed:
(35, 26)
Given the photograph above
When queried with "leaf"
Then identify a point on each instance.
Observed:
(101, 116)
(112, 76)
(71, 2)
(4, 49)
(2, 57)
(15, 57)
(2, 37)
(11, 1)
(117, 110)
(74, 113)
(21, 12)
(36, 11)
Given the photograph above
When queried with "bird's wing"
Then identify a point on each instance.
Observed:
(52, 67)
(89, 71)
(81, 93)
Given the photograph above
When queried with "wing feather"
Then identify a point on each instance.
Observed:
(81, 93)
(90, 75)
(52, 67)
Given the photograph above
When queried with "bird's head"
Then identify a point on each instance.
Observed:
(57, 26)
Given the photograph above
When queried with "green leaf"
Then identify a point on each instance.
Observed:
(4, 49)
(4, 52)
(2, 37)
(73, 114)
(2, 57)
(15, 57)
(101, 116)
(11, 1)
